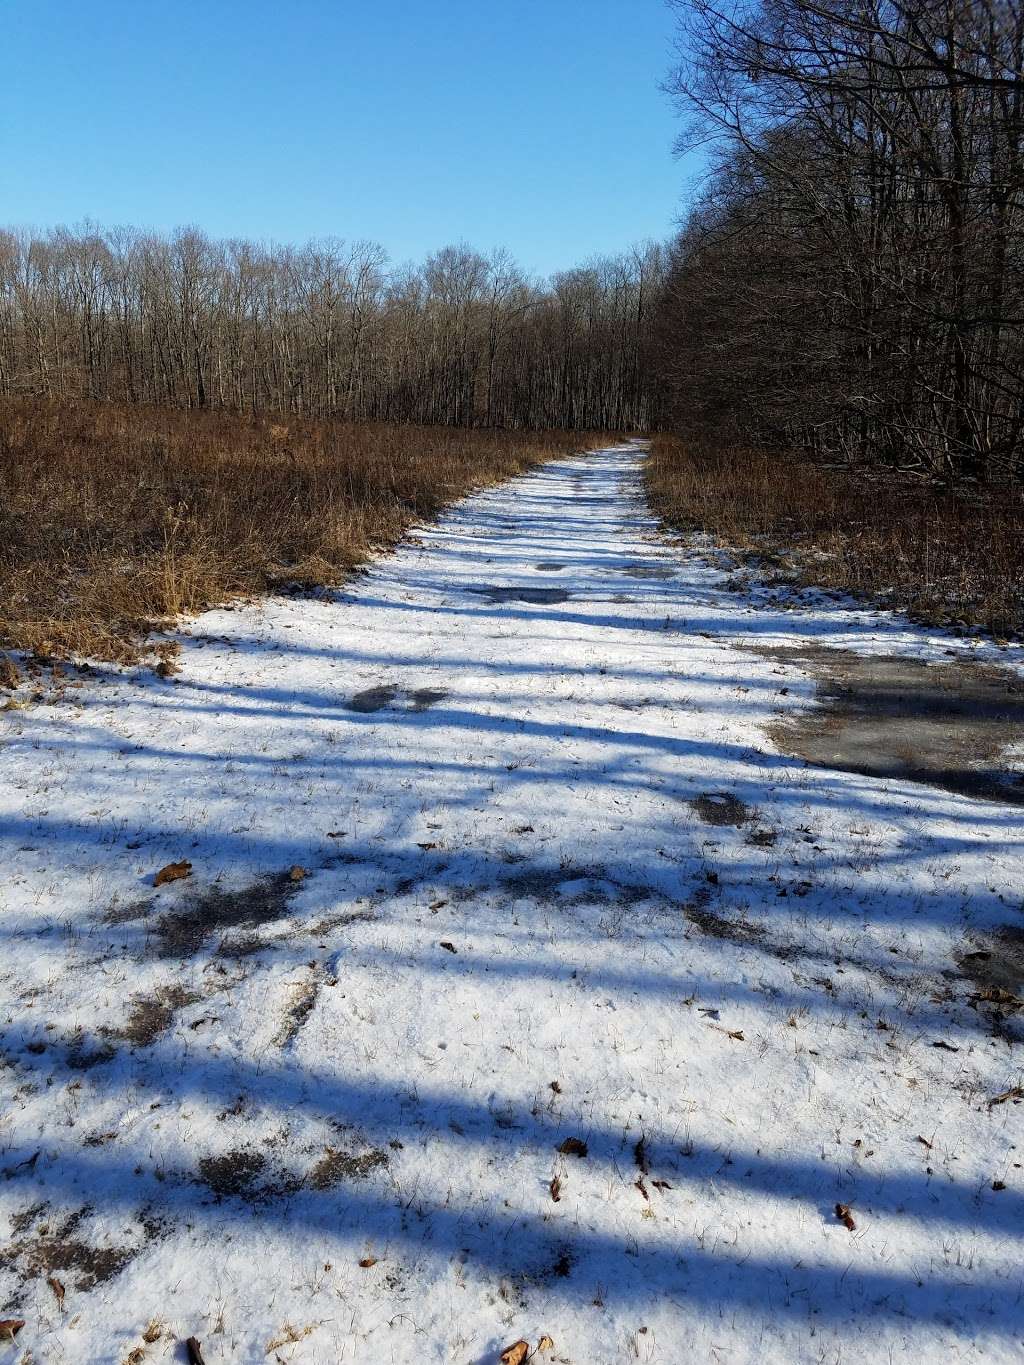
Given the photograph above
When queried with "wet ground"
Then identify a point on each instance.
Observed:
(948, 725)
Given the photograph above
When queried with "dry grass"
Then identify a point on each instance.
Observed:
(116, 518)
(946, 558)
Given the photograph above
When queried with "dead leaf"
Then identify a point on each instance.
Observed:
(572, 1146)
(58, 1289)
(738, 1035)
(661, 1184)
(297, 873)
(367, 1262)
(545, 1343)
(10, 1327)
(173, 872)
(449, 947)
(555, 1188)
(515, 1354)
(554, 1085)
(845, 1216)
(194, 1352)
(924, 1142)
(946, 1047)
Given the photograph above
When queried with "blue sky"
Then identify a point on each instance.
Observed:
(532, 124)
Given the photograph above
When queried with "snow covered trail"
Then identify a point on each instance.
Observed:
(590, 1011)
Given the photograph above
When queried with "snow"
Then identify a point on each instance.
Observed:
(222, 1095)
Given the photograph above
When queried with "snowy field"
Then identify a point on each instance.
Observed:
(520, 985)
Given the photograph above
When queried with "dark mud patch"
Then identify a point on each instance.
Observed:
(235, 1174)
(335, 1167)
(538, 597)
(84, 1053)
(60, 1248)
(647, 571)
(182, 933)
(731, 931)
(942, 724)
(721, 808)
(422, 698)
(248, 1175)
(550, 566)
(150, 1016)
(570, 885)
(129, 913)
(380, 698)
(373, 698)
(996, 960)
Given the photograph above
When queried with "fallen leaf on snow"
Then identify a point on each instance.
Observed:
(10, 1327)
(449, 947)
(367, 1262)
(297, 873)
(556, 1187)
(545, 1343)
(515, 1354)
(194, 1352)
(845, 1216)
(573, 1146)
(946, 1047)
(58, 1289)
(173, 872)
(924, 1142)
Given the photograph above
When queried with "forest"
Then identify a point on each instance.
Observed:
(850, 281)
(327, 330)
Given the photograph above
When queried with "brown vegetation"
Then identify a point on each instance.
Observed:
(948, 557)
(116, 517)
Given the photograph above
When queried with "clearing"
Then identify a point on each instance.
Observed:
(528, 969)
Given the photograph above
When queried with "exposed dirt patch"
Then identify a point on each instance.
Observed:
(647, 571)
(423, 697)
(246, 1174)
(380, 698)
(334, 1167)
(722, 808)
(60, 1249)
(570, 884)
(149, 1016)
(996, 960)
(730, 930)
(128, 913)
(236, 1173)
(537, 597)
(943, 724)
(373, 698)
(84, 1053)
(182, 933)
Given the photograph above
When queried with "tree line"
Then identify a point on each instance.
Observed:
(327, 330)
(851, 277)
